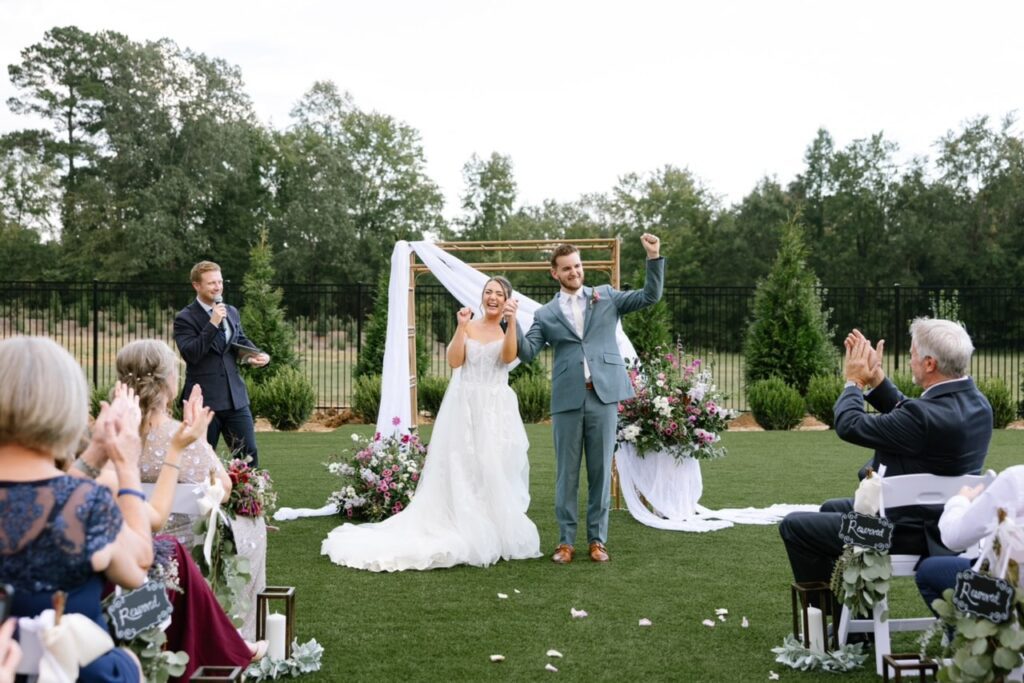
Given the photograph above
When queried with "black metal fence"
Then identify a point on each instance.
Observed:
(93, 320)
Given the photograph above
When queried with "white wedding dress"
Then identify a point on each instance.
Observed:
(470, 505)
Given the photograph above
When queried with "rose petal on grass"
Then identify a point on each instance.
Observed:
(708, 623)
(516, 591)
(554, 653)
(745, 623)
(503, 596)
(497, 658)
(721, 617)
(645, 622)
(720, 611)
(577, 613)
(772, 676)
(550, 668)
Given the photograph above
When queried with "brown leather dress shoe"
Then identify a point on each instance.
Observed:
(598, 553)
(563, 554)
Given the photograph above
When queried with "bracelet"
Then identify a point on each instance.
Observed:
(85, 467)
(131, 492)
(171, 464)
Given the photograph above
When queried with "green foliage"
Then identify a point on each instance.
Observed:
(263, 316)
(371, 357)
(532, 369)
(861, 577)
(999, 397)
(121, 309)
(84, 311)
(904, 381)
(789, 335)
(287, 399)
(429, 393)
(650, 328)
(56, 308)
(98, 394)
(158, 664)
(534, 392)
(488, 198)
(366, 397)
(775, 404)
(822, 393)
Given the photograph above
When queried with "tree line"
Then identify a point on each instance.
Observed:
(150, 157)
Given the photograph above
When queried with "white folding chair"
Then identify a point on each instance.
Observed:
(185, 501)
(900, 491)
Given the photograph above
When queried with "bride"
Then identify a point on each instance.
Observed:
(470, 505)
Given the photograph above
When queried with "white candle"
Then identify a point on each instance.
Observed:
(275, 634)
(814, 626)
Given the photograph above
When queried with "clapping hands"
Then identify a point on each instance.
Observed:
(118, 427)
(863, 363)
(195, 419)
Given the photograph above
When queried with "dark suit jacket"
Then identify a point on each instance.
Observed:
(945, 432)
(209, 360)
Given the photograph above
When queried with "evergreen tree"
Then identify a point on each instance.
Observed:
(371, 357)
(263, 317)
(789, 335)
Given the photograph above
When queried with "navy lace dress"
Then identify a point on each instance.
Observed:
(49, 530)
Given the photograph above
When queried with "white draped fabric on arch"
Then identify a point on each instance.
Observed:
(672, 489)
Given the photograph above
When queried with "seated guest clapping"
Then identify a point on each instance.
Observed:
(946, 431)
(68, 534)
(969, 517)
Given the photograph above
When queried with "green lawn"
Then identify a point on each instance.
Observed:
(444, 625)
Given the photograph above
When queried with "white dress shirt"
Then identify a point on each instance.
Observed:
(574, 307)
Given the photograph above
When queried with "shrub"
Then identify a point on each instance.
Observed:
(430, 391)
(371, 356)
(822, 393)
(286, 399)
(534, 392)
(650, 329)
(998, 395)
(263, 316)
(366, 397)
(904, 381)
(775, 404)
(99, 393)
(789, 335)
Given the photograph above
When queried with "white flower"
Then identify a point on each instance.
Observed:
(334, 467)
(696, 393)
(355, 437)
(346, 470)
(662, 405)
(630, 432)
(660, 383)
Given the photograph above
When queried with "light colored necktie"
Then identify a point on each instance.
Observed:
(577, 314)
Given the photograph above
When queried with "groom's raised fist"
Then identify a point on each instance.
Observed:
(652, 245)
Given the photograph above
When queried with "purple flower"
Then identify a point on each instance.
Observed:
(396, 421)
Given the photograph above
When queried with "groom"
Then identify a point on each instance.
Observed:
(588, 379)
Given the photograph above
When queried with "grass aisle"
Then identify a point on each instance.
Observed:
(444, 624)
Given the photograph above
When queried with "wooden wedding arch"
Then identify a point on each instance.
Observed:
(612, 245)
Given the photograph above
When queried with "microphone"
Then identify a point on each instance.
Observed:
(224, 321)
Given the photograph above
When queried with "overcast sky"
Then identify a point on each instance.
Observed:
(579, 93)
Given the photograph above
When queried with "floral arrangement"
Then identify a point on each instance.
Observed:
(305, 659)
(379, 479)
(676, 408)
(252, 490)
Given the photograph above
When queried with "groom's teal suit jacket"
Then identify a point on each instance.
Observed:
(607, 369)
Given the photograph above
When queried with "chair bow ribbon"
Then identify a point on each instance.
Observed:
(1009, 538)
(75, 642)
(209, 495)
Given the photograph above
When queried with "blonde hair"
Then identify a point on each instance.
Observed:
(147, 366)
(202, 267)
(44, 398)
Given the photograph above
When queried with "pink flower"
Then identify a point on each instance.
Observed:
(396, 508)
(396, 421)
(415, 476)
(405, 438)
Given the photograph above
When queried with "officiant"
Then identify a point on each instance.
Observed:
(210, 338)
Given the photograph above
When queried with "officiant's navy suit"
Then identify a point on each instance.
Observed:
(945, 432)
(210, 362)
(575, 404)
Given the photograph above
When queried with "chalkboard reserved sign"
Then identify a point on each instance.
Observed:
(139, 610)
(866, 531)
(982, 596)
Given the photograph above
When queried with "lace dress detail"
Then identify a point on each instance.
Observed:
(471, 502)
(195, 463)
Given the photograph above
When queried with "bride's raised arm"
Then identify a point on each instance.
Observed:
(457, 346)
(510, 348)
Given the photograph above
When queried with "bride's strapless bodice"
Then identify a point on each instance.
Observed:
(483, 364)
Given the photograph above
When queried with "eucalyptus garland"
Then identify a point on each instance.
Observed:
(305, 659)
(861, 576)
(228, 572)
(980, 650)
(794, 655)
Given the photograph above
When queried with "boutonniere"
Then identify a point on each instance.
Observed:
(595, 296)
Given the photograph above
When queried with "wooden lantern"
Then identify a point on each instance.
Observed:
(263, 600)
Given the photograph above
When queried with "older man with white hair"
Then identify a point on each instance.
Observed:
(946, 431)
